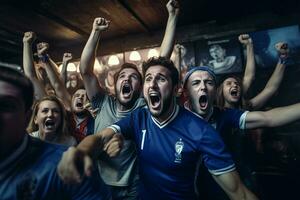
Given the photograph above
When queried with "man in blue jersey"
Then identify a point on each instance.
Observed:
(28, 165)
(200, 87)
(169, 139)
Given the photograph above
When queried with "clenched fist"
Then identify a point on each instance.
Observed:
(29, 37)
(245, 39)
(67, 57)
(100, 24)
(42, 48)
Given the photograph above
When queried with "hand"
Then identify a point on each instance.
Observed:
(29, 37)
(245, 39)
(74, 165)
(114, 145)
(42, 48)
(173, 7)
(67, 57)
(282, 49)
(100, 24)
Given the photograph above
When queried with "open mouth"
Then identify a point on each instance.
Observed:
(79, 104)
(234, 93)
(126, 90)
(203, 101)
(49, 124)
(154, 100)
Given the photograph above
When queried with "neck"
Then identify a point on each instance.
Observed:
(8, 147)
(121, 107)
(167, 113)
(230, 105)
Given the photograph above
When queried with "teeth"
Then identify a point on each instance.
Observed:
(49, 123)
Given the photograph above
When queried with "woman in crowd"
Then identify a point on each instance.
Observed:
(49, 122)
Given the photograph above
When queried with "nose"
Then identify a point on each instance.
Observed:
(202, 85)
(153, 83)
(50, 113)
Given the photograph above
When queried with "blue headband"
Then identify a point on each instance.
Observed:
(199, 68)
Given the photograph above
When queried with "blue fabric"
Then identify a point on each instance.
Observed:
(33, 175)
(164, 172)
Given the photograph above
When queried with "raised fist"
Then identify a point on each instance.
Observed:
(173, 7)
(42, 48)
(245, 39)
(29, 37)
(100, 24)
(67, 57)
(282, 49)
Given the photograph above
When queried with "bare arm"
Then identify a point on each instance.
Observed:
(66, 59)
(249, 75)
(29, 70)
(274, 82)
(274, 117)
(230, 182)
(166, 47)
(88, 58)
(77, 161)
(53, 75)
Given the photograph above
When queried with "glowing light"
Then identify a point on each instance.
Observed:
(152, 53)
(135, 56)
(113, 60)
(70, 68)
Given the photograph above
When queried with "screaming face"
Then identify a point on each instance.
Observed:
(48, 118)
(159, 92)
(79, 99)
(231, 91)
(128, 87)
(201, 90)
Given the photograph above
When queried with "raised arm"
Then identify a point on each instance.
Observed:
(28, 65)
(249, 75)
(230, 182)
(273, 84)
(88, 58)
(63, 74)
(167, 44)
(53, 75)
(274, 117)
(77, 163)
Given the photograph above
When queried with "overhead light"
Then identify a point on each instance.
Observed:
(113, 60)
(97, 65)
(135, 56)
(152, 53)
(70, 68)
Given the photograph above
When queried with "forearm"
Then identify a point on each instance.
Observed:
(89, 53)
(28, 61)
(93, 144)
(169, 37)
(270, 89)
(249, 75)
(63, 73)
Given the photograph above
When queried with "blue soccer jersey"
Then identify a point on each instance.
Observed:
(30, 173)
(169, 152)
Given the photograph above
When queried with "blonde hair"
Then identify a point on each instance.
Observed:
(63, 128)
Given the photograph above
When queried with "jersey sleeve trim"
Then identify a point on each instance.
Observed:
(115, 128)
(230, 168)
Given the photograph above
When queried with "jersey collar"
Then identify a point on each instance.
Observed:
(168, 120)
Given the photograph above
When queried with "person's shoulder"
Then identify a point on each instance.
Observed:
(190, 116)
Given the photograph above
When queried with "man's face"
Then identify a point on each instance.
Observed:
(13, 117)
(159, 91)
(128, 87)
(79, 99)
(48, 117)
(201, 90)
(217, 53)
(231, 91)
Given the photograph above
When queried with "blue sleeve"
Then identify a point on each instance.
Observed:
(216, 158)
(125, 126)
(233, 117)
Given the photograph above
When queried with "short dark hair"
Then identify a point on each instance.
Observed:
(128, 66)
(165, 62)
(18, 79)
